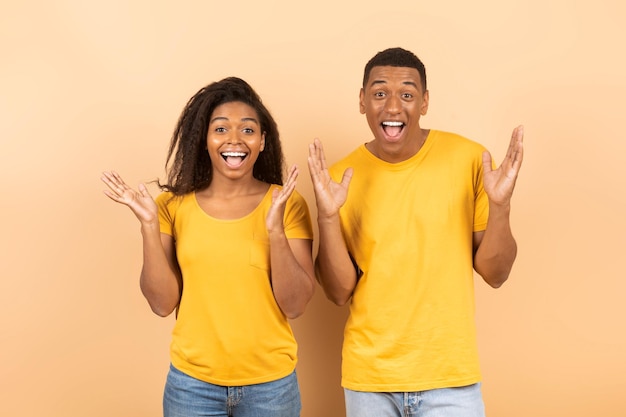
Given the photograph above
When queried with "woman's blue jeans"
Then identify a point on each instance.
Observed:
(186, 396)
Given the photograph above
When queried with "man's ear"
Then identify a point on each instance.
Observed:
(362, 101)
(425, 99)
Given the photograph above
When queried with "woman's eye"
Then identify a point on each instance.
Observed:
(248, 130)
(220, 129)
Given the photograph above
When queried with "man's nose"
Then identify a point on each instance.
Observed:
(393, 104)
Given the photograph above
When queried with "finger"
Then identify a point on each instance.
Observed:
(515, 153)
(275, 194)
(113, 196)
(322, 155)
(518, 151)
(116, 177)
(108, 177)
(117, 184)
(119, 181)
(293, 173)
(487, 163)
(291, 176)
(347, 177)
(317, 152)
(311, 163)
(290, 185)
(280, 195)
(144, 190)
(287, 191)
(312, 149)
(518, 157)
(111, 182)
(516, 138)
(314, 169)
(518, 132)
(314, 156)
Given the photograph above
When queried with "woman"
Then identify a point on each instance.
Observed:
(229, 248)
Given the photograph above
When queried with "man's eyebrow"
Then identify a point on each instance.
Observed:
(375, 82)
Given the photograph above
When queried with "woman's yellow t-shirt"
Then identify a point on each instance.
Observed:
(229, 329)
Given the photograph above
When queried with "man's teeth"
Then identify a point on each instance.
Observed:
(393, 123)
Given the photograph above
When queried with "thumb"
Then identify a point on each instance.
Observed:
(347, 177)
(274, 195)
(144, 190)
(487, 164)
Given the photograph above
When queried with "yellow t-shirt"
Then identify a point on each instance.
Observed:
(229, 329)
(409, 228)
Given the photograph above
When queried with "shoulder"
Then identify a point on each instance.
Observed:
(297, 217)
(350, 160)
(169, 201)
(164, 197)
(456, 140)
(455, 147)
(296, 201)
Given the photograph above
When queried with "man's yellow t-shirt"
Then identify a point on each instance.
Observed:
(409, 228)
(229, 329)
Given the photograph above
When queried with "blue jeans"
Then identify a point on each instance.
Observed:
(186, 396)
(447, 402)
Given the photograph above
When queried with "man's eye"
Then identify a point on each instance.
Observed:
(379, 94)
(407, 95)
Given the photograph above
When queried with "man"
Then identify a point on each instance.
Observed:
(403, 222)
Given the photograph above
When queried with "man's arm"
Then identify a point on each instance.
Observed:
(495, 248)
(333, 266)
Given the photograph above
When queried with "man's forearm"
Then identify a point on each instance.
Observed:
(497, 250)
(334, 268)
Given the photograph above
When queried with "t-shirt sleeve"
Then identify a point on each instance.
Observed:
(166, 209)
(481, 201)
(297, 218)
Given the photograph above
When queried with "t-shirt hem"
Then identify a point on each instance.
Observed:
(410, 387)
(234, 382)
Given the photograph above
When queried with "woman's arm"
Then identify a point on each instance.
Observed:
(292, 273)
(160, 279)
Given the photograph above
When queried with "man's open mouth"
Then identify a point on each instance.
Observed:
(392, 129)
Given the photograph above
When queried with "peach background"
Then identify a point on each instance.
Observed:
(92, 86)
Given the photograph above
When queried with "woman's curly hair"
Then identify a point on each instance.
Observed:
(188, 164)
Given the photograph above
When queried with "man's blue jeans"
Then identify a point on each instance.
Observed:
(186, 396)
(447, 402)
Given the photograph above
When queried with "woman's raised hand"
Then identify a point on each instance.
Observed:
(140, 202)
(276, 213)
